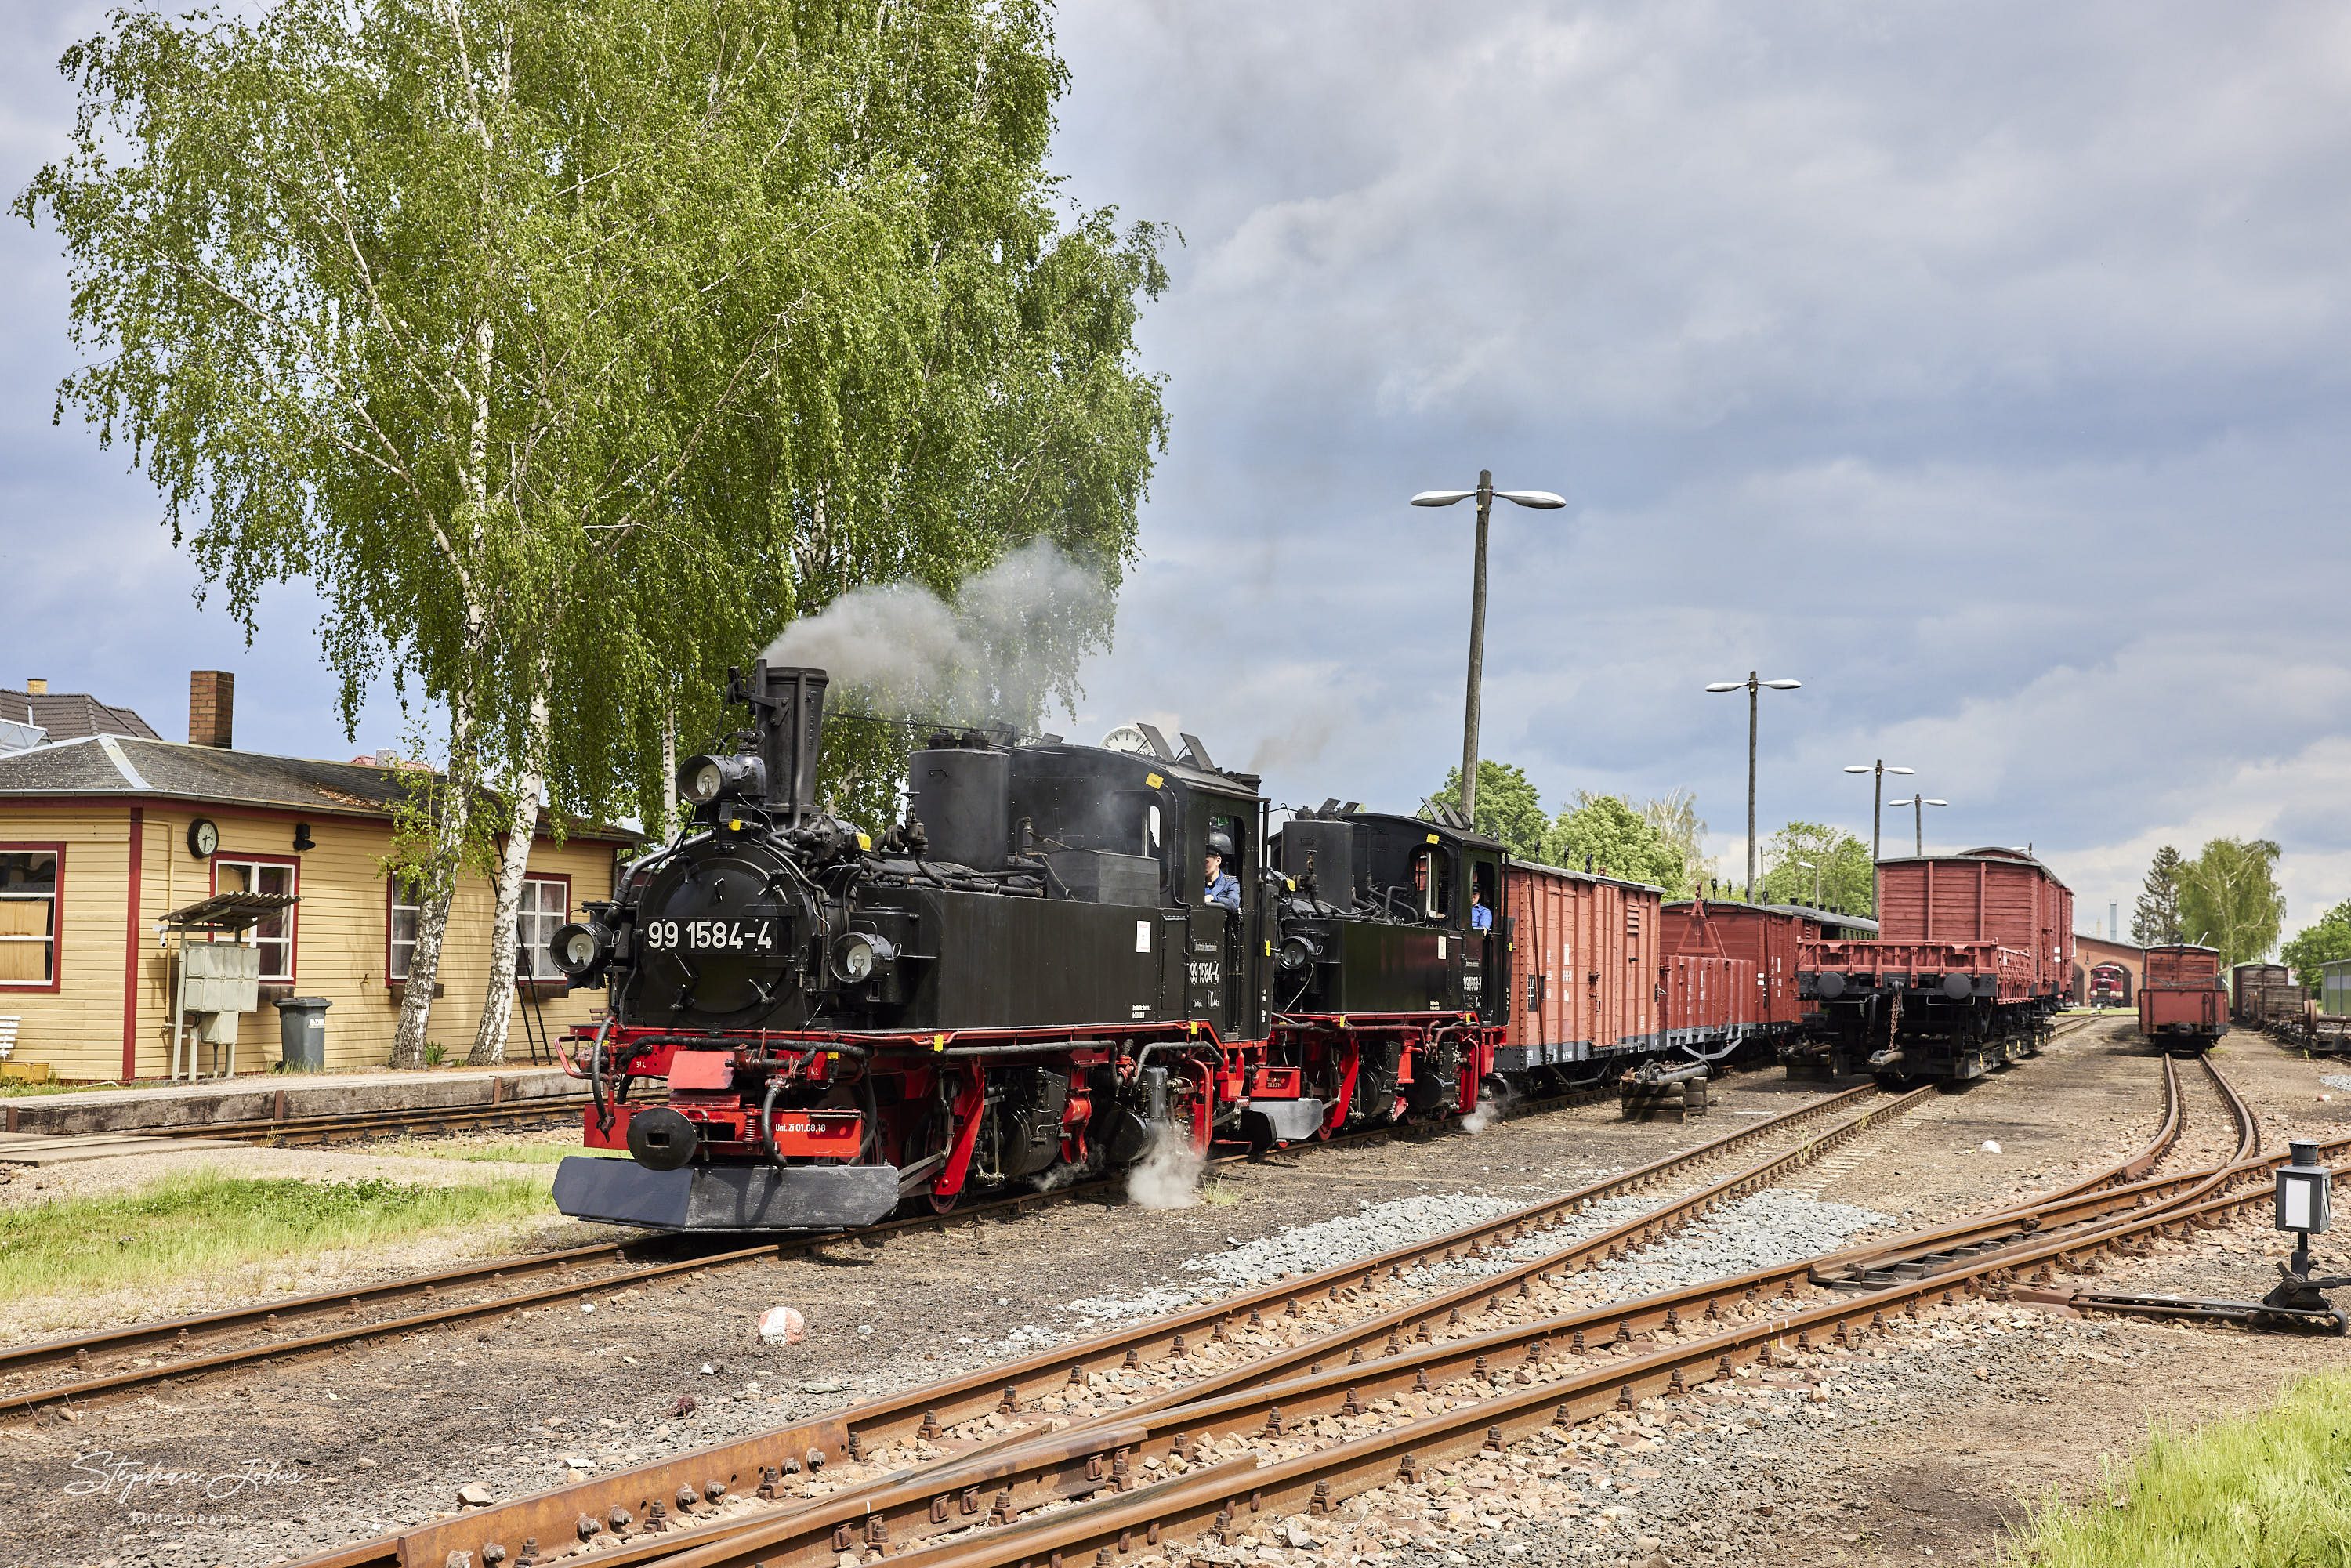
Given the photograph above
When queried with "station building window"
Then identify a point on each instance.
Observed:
(545, 901)
(29, 916)
(405, 904)
(274, 935)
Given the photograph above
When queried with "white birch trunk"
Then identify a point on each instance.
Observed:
(514, 866)
(439, 886)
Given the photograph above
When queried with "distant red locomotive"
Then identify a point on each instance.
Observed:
(1973, 954)
(2109, 986)
(2183, 1002)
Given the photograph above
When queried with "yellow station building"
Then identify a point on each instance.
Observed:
(105, 831)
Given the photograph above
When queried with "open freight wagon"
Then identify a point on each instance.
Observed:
(1974, 954)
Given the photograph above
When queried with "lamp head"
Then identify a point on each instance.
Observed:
(1441, 498)
(1542, 500)
(1858, 768)
(1783, 685)
(1902, 770)
(1724, 685)
(1932, 801)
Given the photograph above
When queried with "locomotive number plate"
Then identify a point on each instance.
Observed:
(711, 936)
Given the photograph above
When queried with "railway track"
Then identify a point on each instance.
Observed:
(362, 1125)
(1313, 1441)
(181, 1348)
(1160, 1388)
(1177, 1358)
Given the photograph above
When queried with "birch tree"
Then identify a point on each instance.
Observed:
(2230, 899)
(571, 348)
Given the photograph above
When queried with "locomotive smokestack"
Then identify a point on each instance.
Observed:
(791, 734)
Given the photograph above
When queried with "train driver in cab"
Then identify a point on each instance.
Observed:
(1224, 888)
(1480, 918)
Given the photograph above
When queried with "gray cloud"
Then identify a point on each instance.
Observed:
(1983, 366)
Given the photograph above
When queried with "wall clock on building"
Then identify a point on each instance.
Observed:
(203, 838)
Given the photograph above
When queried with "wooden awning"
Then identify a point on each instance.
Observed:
(228, 912)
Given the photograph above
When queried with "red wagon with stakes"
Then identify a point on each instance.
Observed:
(1974, 954)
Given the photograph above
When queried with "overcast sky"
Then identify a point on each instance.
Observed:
(1984, 367)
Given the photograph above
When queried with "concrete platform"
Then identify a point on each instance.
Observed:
(278, 1097)
(46, 1149)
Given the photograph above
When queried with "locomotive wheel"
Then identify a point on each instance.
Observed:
(942, 1204)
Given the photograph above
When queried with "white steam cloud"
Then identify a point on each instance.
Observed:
(1494, 1102)
(1009, 645)
(1168, 1174)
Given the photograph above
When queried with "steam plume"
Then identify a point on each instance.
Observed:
(1009, 645)
(1168, 1174)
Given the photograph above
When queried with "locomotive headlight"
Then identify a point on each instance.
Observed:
(706, 778)
(581, 949)
(1297, 952)
(856, 956)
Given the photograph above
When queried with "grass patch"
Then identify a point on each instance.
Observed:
(201, 1222)
(10, 1087)
(2271, 1490)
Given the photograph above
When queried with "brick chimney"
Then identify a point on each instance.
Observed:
(35, 687)
(212, 707)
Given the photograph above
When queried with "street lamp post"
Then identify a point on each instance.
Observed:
(1485, 492)
(1815, 868)
(1754, 701)
(1878, 799)
(1919, 804)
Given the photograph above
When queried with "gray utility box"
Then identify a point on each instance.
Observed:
(302, 1033)
(221, 977)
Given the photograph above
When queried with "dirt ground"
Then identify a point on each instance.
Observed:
(297, 1458)
(1959, 1471)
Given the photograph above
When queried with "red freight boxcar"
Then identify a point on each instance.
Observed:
(2182, 1000)
(1585, 952)
(1764, 936)
(1974, 953)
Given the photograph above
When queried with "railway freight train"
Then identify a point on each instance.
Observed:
(1974, 954)
(1033, 979)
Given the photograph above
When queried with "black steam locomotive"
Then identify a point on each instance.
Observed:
(810, 1027)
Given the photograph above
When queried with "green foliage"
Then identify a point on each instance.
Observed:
(2324, 943)
(2155, 923)
(2230, 899)
(1618, 839)
(1508, 806)
(573, 347)
(1675, 818)
(2263, 1490)
(1847, 879)
(203, 1222)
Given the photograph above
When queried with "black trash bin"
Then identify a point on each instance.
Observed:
(302, 1033)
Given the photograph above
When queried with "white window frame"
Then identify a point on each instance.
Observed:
(395, 966)
(252, 937)
(536, 927)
